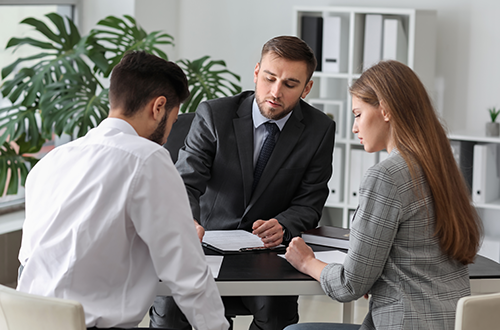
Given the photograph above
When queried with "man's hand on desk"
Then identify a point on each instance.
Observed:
(199, 230)
(270, 232)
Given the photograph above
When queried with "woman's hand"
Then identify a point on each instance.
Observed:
(301, 256)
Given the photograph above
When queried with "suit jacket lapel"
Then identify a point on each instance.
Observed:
(243, 130)
(287, 140)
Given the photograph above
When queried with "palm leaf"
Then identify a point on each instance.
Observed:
(207, 83)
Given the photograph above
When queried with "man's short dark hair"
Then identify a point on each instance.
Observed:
(140, 77)
(292, 48)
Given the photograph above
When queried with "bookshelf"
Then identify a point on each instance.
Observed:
(330, 90)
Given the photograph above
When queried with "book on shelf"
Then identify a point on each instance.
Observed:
(335, 237)
(312, 33)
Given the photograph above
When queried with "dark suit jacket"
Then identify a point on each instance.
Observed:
(216, 165)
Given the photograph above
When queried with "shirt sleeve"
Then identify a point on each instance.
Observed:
(160, 212)
(373, 230)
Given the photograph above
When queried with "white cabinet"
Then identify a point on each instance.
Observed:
(343, 48)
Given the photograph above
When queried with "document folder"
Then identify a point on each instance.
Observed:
(235, 241)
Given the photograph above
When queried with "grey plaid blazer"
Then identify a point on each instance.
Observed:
(394, 256)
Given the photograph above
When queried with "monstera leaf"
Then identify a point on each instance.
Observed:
(13, 168)
(121, 36)
(207, 82)
(62, 91)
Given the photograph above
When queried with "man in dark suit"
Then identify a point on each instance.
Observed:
(231, 186)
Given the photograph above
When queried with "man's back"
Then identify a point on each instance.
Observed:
(89, 229)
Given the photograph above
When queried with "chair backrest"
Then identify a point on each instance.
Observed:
(178, 134)
(478, 312)
(20, 310)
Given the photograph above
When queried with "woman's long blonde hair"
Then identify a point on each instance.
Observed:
(420, 137)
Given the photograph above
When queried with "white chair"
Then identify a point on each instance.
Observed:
(478, 312)
(23, 311)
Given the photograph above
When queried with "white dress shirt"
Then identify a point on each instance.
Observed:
(107, 216)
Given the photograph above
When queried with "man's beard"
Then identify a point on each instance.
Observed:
(159, 133)
(272, 114)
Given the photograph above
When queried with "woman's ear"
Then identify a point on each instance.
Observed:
(383, 110)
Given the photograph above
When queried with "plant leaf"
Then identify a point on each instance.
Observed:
(206, 83)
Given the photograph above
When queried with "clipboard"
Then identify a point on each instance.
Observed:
(235, 241)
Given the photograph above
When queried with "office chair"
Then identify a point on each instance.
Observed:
(478, 312)
(20, 311)
(178, 134)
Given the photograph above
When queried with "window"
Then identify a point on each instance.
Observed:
(10, 18)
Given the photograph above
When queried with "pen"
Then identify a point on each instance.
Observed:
(252, 249)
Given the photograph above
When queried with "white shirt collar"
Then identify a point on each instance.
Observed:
(119, 124)
(259, 119)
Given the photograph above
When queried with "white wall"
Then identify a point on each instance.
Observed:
(467, 59)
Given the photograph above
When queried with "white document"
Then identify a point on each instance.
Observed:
(395, 44)
(232, 240)
(329, 257)
(214, 263)
(335, 184)
(372, 51)
(485, 174)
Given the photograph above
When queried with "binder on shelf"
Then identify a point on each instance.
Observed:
(463, 152)
(312, 33)
(336, 183)
(395, 42)
(335, 237)
(361, 161)
(485, 173)
(334, 44)
(355, 175)
(372, 46)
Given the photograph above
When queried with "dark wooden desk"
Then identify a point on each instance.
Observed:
(265, 273)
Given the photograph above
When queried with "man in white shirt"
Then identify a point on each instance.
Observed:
(107, 215)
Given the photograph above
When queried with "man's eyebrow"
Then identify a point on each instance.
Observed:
(290, 79)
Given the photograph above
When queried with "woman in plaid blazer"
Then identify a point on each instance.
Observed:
(415, 230)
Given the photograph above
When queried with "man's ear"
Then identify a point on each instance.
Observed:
(158, 107)
(256, 72)
(307, 89)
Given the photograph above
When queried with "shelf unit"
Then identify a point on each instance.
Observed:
(488, 212)
(330, 90)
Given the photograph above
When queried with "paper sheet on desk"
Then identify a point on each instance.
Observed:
(329, 257)
(214, 263)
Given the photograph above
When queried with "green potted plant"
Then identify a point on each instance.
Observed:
(493, 128)
(64, 91)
